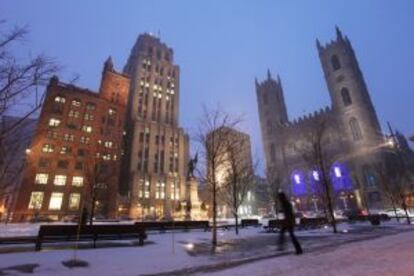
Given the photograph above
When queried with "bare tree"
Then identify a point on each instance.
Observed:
(315, 154)
(98, 174)
(394, 184)
(212, 145)
(20, 79)
(239, 173)
(274, 180)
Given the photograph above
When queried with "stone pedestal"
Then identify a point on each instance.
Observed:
(192, 199)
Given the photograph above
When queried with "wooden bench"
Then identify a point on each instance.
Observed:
(249, 222)
(174, 225)
(312, 223)
(69, 233)
(274, 224)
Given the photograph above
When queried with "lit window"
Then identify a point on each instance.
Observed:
(337, 172)
(60, 99)
(41, 178)
(147, 189)
(76, 103)
(297, 178)
(84, 140)
(55, 202)
(65, 150)
(87, 129)
(36, 200)
(73, 113)
(108, 144)
(106, 157)
(74, 201)
(60, 180)
(315, 175)
(90, 106)
(47, 148)
(68, 137)
(111, 112)
(77, 181)
(54, 122)
(89, 117)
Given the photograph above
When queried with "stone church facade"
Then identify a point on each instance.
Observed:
(353, 139)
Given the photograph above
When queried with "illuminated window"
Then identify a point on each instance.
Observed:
(36, 200)
(68, 137)
(338, 172)
(55, 202)
(88, 117)
(108, 144)
(111, 112)
(60, 99)
(297, 178)
(147, 189)
(47, 148)
(41, 178)
(60, 180)
(54, 122)
(74, 201)
(315, 175)
(74, 114)
(106, 157)
(87, 129)
(77, 181)
(76, 103)
(84, 140)
(65, 150)
(90, 106)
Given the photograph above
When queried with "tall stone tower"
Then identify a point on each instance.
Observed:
(348, 91)
(273, 116)
(156, 149)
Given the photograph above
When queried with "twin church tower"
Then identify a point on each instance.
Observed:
(352, 131)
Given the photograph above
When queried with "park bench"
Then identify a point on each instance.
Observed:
(163, 226)
(312, 223)
(69, 233)
(249, 222)
(274, 224)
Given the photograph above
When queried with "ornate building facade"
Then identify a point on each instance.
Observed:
(353, 141)
(74, 156)
(155, 165)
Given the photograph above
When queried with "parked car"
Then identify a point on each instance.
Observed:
(391, 213)
(41, 219)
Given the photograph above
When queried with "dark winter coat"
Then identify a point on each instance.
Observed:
(287, 210)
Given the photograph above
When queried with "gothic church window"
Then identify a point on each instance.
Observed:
(355, 129)
(335, 62)
(346, 97)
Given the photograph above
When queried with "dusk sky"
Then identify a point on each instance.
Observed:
(221, 46)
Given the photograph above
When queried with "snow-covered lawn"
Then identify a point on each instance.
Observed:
(190, 251)
(390, 255)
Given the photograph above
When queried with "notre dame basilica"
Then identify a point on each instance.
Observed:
(353, 140)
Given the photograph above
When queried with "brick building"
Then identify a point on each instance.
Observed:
(74, 158)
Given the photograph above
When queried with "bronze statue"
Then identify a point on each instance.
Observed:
(192, 166)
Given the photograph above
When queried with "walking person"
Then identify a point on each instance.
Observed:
(288, 224)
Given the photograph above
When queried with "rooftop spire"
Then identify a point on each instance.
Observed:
(268, 74)
(108, 65)
(338, 33)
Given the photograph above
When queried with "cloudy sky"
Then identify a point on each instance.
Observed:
(221, 46)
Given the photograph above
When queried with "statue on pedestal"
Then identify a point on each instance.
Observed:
(192, 166)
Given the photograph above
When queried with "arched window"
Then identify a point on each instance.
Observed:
(335, 62)
(272, 153)
(346, 97)
(355, 129)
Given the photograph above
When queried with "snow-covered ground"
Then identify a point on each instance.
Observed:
(191, 252)
(391, 255)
